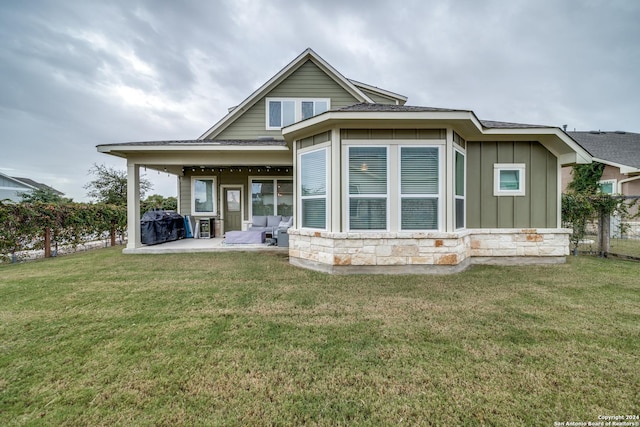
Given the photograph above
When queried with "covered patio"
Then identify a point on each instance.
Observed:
(227, 181)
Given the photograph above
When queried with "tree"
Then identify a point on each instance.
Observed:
(44, 195)
(586, 178)
(157, 201)
(110, 185)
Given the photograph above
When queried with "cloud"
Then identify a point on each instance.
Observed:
(78, 74)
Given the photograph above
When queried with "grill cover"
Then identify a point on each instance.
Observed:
(159, 226)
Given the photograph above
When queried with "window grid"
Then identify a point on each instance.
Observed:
(282, 112)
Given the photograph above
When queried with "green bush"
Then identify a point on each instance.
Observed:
(22, 225)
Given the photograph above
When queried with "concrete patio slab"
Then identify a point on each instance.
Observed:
(201, 245)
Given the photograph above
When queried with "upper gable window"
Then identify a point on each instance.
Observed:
(285, 111)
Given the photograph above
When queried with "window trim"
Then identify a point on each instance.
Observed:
(297, 108)
(348, 194)
(518, 167)
(326, 196)
(439, 196)
(275, 180)
(214, 189)
(456, 197)
(613, 182)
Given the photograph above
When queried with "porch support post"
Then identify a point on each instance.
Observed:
(133, 205)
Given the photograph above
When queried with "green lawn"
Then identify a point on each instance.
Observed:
(100, 338)
(621, 247)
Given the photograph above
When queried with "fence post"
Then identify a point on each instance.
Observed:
(604, 244)
(47, 242)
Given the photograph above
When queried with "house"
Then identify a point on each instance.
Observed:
(12, 188)
(374, 185)
(620, 153)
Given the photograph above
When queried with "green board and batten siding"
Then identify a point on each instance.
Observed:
(308, 81)
(536, 209)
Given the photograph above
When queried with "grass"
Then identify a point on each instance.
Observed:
(621, 247)
(99, 338)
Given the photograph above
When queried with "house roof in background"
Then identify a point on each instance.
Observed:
(38, 185)
(621, 149)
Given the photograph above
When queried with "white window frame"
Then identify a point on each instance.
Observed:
(297, 109)
(214, 189)
(275, 180)
(438, 196)
(326, 196)
(464, 188)
(613, 182)
(518, 167)
(348, 194)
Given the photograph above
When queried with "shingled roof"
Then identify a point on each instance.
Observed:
(38, 185)
(489, 124)
(618, 147)
(368, 107)
(205, 142)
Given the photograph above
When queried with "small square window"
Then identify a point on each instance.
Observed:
(509, 179)
(608, 186)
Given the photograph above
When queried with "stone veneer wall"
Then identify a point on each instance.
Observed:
(424, 252)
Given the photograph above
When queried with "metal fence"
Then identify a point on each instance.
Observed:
(617, 235)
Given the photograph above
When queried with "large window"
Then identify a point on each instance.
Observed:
(459, 183)
(313, 189)
(419, 188)
(368, 189)
(285, 111)
(272, 196)
(203, 200)
(508, 179)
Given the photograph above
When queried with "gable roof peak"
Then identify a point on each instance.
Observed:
(306, 55)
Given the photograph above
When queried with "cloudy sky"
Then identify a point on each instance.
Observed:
(78, 73)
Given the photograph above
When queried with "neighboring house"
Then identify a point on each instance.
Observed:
(374, 185)
(12, 188)
(620, 153)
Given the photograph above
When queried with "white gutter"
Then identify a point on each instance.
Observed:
(190, 147)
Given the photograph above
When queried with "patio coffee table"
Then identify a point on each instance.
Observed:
(244, 237)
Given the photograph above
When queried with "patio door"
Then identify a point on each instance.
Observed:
(232, 209)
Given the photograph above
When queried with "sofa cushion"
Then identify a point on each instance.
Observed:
(259, 221)
(283, 225)
(273, 220)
